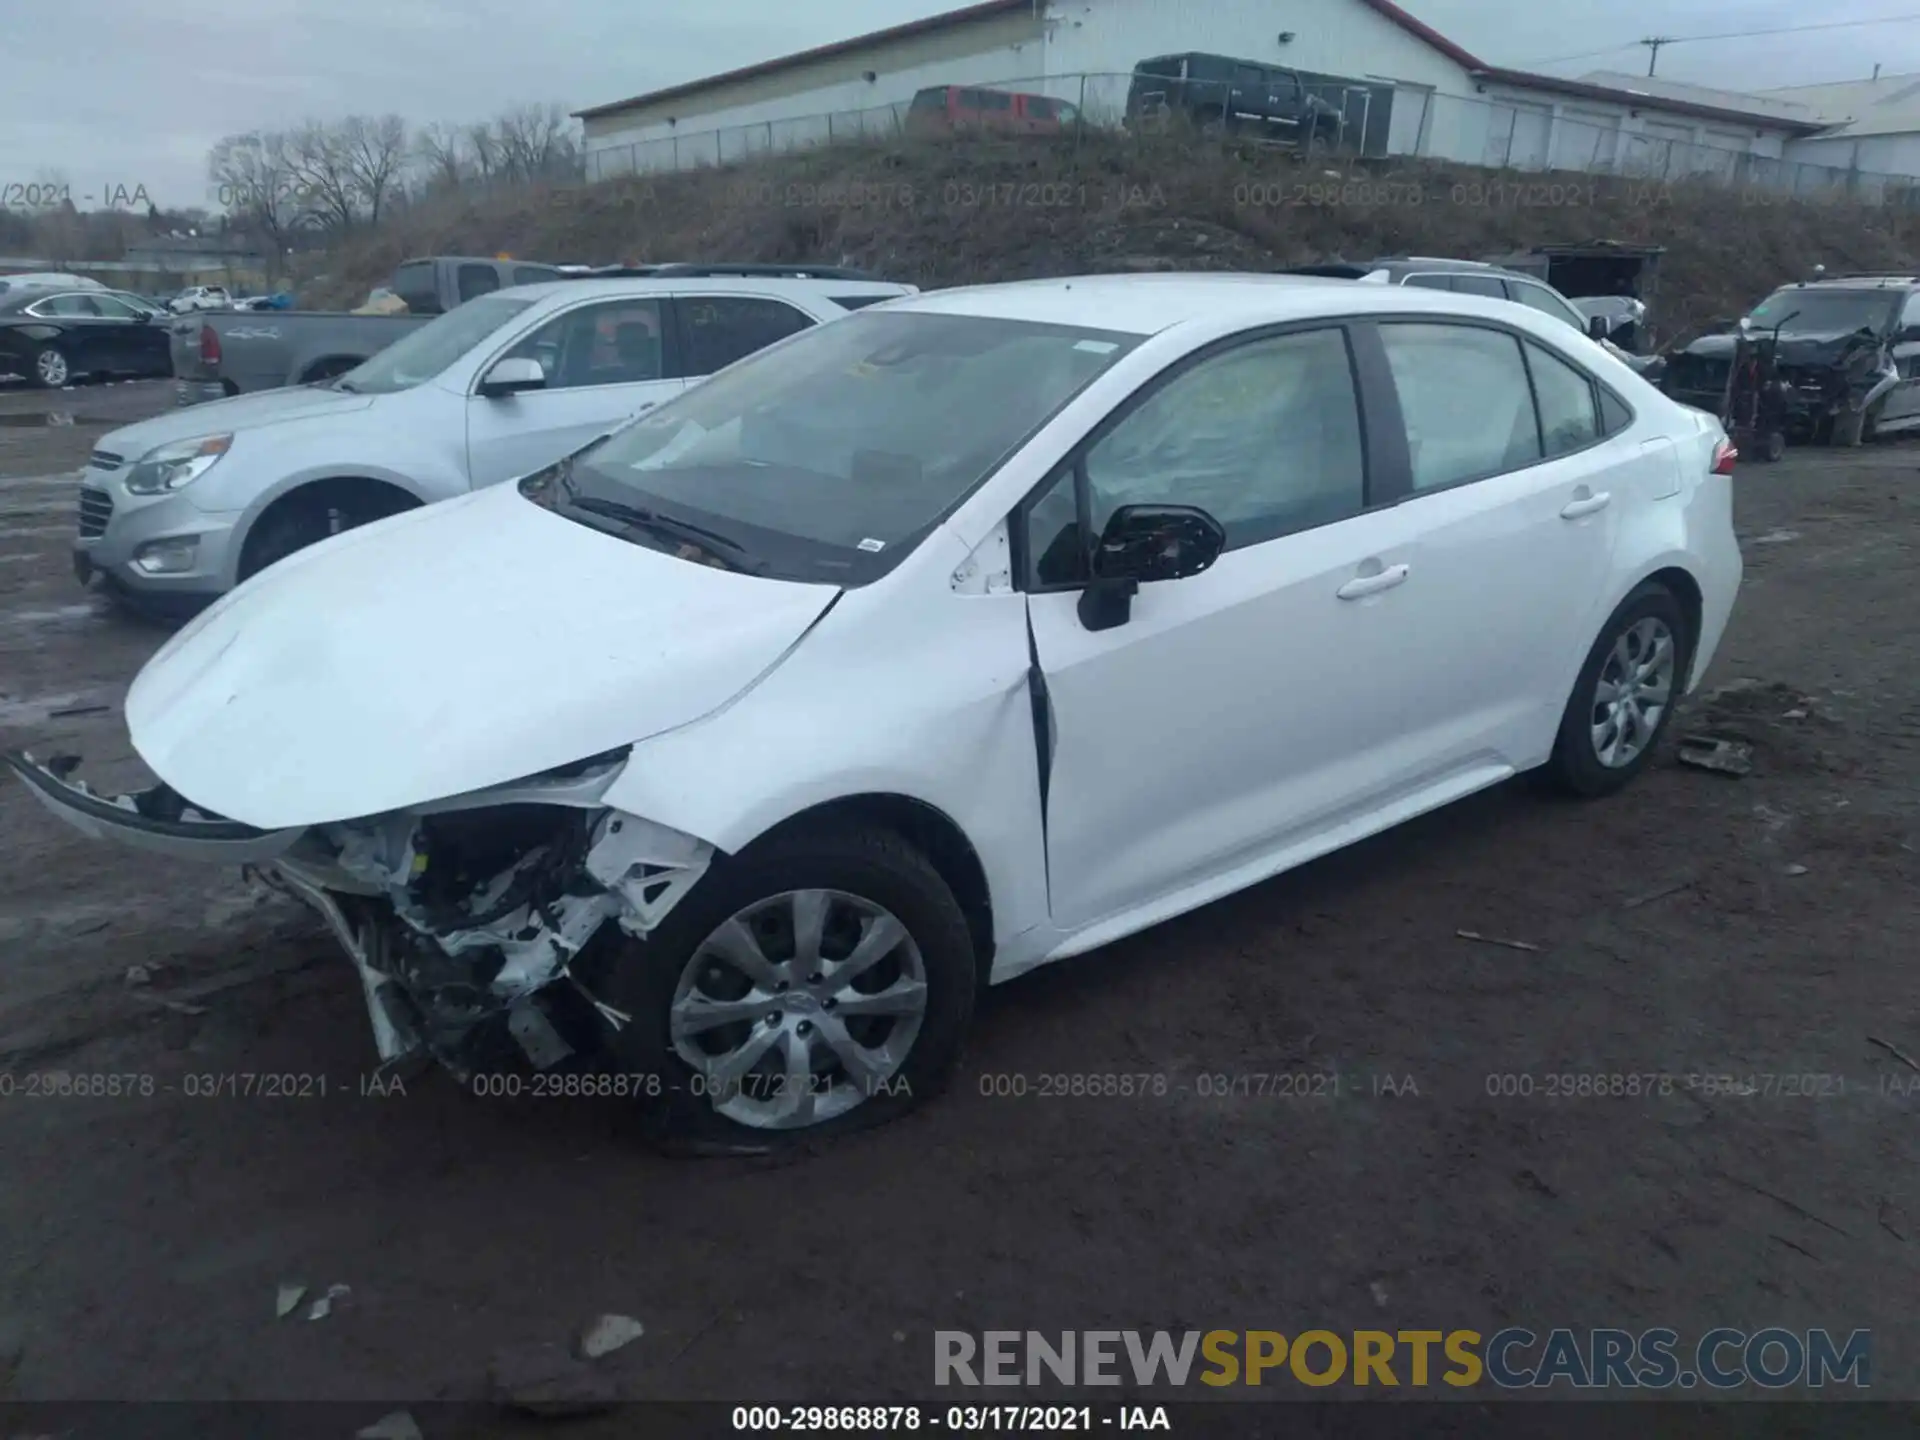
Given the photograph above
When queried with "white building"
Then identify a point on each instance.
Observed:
(1409, 89)
(1874, 124)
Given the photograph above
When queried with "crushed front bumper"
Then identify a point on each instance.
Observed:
(461, 917)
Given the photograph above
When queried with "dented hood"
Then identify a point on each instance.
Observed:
(451, 648)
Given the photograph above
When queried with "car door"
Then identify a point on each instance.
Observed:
(1245, 709)
(715, 330)
(605, 361)
(140, 346)
(1284, 105)
(1903, 401)
(1516, 491)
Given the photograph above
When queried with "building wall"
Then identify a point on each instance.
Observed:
(795, 103)
(1873, 154)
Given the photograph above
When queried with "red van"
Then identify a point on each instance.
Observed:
(941, 109)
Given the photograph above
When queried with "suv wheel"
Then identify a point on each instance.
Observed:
(820, 982)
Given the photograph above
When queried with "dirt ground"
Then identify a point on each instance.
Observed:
(1699, 925)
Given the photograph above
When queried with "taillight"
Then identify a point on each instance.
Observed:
(1724, 454)
(209, 346)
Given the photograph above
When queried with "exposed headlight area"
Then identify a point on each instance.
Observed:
(465, 917)
(169, 467)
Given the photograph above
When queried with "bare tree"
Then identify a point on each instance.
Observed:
(483, 152)
(254, 181)
(440, 151)
(373, 152)
(535, 142)
(323, 175)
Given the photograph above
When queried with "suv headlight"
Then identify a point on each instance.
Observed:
(168, 467)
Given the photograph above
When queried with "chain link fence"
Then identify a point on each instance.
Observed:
(1374, 120)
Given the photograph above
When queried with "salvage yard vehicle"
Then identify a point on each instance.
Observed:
(176, 510)
(240, 351)
(1222, 95)
(971, 632)
(1845, 355)
(57, 337)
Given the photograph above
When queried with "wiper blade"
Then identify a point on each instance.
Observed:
(658, 524)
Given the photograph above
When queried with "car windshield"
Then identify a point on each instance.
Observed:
(825, 458)
(1822, 312)
(417, 357)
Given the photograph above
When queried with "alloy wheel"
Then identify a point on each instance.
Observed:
(1633, 692)
(51, 366)
(799, 1007)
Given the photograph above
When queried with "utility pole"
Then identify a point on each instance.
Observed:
(1653, 44)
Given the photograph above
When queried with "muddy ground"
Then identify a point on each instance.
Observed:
(1697, 926)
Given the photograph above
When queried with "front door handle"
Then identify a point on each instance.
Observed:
(1585, 505)
(1363, 585)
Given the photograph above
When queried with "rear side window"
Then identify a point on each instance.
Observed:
(1544, 300)
(1615, 415)
(1480, 285)
(858, 302)
(994, 99)
(414, 284)
(477, 280)
(929, 100)
(1569, 417)
(1430, 282)
(1465, 401)
(716, 330)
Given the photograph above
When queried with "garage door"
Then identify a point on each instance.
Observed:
(1517, 136)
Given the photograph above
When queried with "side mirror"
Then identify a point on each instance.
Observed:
(513, 375)
(1142, 544)
(1599, 326)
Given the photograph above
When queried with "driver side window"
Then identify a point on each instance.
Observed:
(1910, 317)
(1264, 437)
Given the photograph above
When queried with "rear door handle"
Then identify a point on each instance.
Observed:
(1363, 585)
(1586, 505)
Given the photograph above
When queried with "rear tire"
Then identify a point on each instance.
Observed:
(1582, 764)
(660, 981)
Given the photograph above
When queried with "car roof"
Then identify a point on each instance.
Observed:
(1148, 304)
(706, 284)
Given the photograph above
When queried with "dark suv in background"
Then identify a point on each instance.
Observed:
(1220, 94)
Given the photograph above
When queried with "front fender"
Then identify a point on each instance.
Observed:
(902, 689)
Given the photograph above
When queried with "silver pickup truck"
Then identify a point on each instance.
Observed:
(222, 353)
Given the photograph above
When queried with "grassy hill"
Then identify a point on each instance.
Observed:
(966, 211)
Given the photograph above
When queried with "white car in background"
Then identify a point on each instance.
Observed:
(177, 510)
(964, 634)
(200, 297)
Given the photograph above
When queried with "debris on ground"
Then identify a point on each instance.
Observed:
(323, 1307)
(1776, 537)
(1723, 757)
(288, 1300)
(1793, 870)
(1894, 1221)
(397, 1426)
(1379, 1293)
(1495, 940)
(139, 975)
(1649, 896)
(607, 1334)
(545, 1380)
(1895, 1051)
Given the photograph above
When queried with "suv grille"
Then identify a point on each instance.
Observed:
(105, 460)
(96, 508)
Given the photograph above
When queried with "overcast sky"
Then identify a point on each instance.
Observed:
(131, 93)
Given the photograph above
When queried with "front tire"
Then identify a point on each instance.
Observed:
(1623, 700)
(50, 368)
(820, 981)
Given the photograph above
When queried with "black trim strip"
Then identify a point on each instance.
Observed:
(43, 779)
(1042, 706)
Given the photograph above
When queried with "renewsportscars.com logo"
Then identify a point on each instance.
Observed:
(1511, 1359)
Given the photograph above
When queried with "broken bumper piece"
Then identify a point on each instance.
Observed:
(460, 916)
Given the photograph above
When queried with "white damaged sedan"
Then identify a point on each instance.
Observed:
(975, 630)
